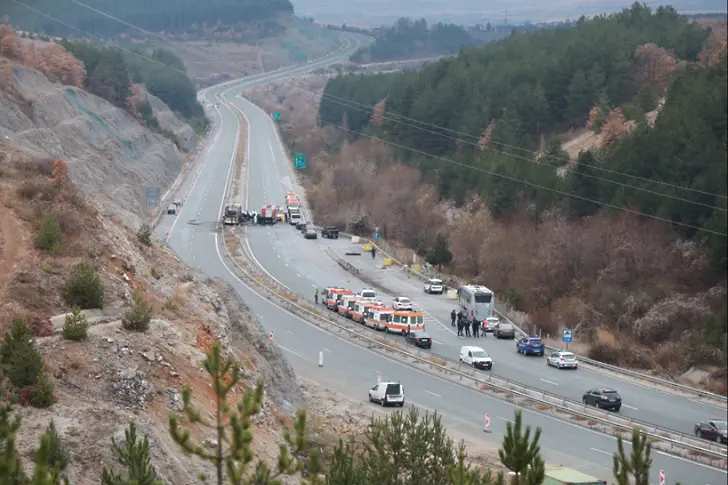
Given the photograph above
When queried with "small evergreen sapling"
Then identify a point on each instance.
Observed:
(138, 318)
(76, 325)
(134, 456)
(521, 453)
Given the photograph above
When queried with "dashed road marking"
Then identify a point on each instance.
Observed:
(550, 382)
(433, 393)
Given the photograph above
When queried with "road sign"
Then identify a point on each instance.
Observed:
(153, 197)
(376, 235)
(277, 115)
(567, 336)
(662, 477)
(299, 161)
(487, 423)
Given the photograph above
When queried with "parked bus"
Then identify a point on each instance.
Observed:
(477, 301)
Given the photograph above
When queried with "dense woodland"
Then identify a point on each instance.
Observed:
(156, 16)
(518, 90)
(110, 73)
(411, 39)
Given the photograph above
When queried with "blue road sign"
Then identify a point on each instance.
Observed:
(567, 336)
(153, 197)
(277, 115)
(376, 235)
(299, 161)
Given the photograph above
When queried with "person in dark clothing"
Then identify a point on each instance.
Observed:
(475, 328)
(453, 316)
(315, 296)
(460, 327)
(374, 252)
(467, 326)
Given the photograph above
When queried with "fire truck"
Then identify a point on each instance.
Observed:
(268, 215)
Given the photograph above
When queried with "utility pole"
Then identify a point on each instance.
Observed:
(345, 145)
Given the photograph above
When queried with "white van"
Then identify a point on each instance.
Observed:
(367, 294)
(476, 357)
(386, 393)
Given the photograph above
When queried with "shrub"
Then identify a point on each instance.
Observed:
(137, 319)
(76, 325)
(22, 362)
(42, 394)
(144, 235)
(49, 235)
(83, 288)
(57, 457)
(155, 273)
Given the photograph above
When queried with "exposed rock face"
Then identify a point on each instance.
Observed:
(110, 154)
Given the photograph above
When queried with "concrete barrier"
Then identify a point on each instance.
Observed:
(451, 294)
(355, 239)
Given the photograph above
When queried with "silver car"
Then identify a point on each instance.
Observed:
(504, 330)
(562, 359)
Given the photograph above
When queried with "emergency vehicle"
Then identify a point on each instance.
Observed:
(403, 320)
(333, 295)
(378, 316)
(268, 215)
(360, 310)
(346, 303)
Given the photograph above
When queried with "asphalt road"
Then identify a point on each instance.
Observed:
(348, 368)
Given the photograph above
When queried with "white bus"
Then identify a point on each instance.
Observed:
(476, 301)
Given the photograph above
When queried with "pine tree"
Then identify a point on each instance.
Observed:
(42, 394)
(134, 457)
(439, 254)
(11, 471)
(138, 318)
(76, 325)
(521, 454)
(83, 288)
(342, 470)
(57, 456)
(49, 235)
(232, 453)
(45, 472)
(462, 474)
(633, 469)
(21, 361)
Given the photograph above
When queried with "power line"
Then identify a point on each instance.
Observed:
(519, 157)
(596, 167)
(525, 182)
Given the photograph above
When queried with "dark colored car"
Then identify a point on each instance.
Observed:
(530, 345)
(714, 430)
(330, 232)
(504, 330)
(419, 339)
(301, 226)
(310, 234)
(603, 398)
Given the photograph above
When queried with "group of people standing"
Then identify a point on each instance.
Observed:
(465, 325)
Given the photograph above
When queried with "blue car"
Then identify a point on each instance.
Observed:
(530, 345)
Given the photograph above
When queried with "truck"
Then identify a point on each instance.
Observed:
(233, 214)
(560, 475)
(268, 215)
(330, 232)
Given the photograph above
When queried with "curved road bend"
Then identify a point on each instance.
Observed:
(302, 265)
(352, 369)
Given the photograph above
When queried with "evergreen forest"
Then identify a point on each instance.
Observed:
(484, 122)
(156, 16)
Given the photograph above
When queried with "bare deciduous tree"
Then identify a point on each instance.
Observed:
(654, 65)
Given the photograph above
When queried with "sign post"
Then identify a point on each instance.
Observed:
(662, 477)
(567, 336)
(276, 116)
(299, 161)
(487, 423)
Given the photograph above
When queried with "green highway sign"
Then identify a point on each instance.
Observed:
(277, 115)
(299, 161)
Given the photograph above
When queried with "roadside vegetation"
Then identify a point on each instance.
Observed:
(397, 449)
(485, 174)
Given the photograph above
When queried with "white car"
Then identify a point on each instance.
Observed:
(367, 294)
(402, 303)
(433, 286)
(562, 359)
(386, 393)
(476, 357)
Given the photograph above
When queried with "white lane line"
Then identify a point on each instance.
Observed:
(433, 393)
(314, 285)
(261, 317)
(286, 265)
(298, 275)
(296, 354)
(503, 419)
(327, 350)
(630, 407)
(435, 341)
(289, 332)
(601, 451)
(550, 382)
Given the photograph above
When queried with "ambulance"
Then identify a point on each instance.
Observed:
(378, 316)
(360, 310)
(332, 297)
(405, 320)
(346, 303)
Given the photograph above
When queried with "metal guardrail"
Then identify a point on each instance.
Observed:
(666, 440)
(586, 360)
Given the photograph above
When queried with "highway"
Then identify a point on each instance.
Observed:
(348, 368)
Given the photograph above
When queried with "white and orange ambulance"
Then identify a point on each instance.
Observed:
(404, 320)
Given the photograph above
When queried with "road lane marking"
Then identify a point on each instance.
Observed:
(433, 393)
(550, 382)
(289, 332)
(630, 407)
(298, 275)
(435, 341)
(327, 350)
(295, 353)
(601, 451)
(503, 419)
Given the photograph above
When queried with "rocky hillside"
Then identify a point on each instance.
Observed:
(114, 376)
